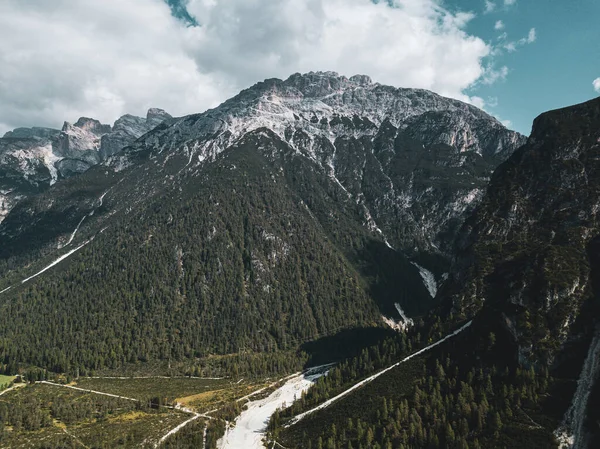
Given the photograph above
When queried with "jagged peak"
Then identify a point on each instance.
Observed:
(348, 96)
(88, 124)
(326, 105)
(154, 116)
(157, 113)
(362, 80)
(358, 79)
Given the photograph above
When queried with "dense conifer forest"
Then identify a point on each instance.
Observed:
(452, 397)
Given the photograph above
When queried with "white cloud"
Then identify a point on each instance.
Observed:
(492, 74)
(502, 36)
(61, 60)
(64, 59)
(509, 2)
(514, 45)
(492, 102)
(489, 7)
(506, 123)
(499, 25)
(596, 84)
(531, 37)
(477, 101)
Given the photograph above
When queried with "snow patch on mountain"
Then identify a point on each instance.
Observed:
(402, 324)
(31, 159)
(428, 279)
(75, 231)
(407, 321)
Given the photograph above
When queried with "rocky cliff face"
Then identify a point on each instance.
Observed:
(327, 105)
(32, 159)
(27, 162)
(81, 140)
(527, 247)
(127, 129)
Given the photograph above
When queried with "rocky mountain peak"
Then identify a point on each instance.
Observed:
(157, 115)
(128, 128)
(81, 140)
(31, 133)
(361, 80)
(32, 159)
(568, 125)
(323, 83)
(325, 105)
(89, 125)
(320, 84)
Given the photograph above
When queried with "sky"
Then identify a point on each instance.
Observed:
(63, 59)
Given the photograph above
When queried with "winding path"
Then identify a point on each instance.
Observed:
(45, 382)
(176, 407)
(177, 429)
(14, 387)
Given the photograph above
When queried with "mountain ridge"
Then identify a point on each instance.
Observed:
(278, 104)
(33, 159)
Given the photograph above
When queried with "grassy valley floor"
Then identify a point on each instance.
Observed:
(122, 412)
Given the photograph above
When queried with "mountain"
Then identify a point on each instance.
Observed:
(297, 210)
(530, 247)
(127, 129)
(524, 291)
(528, 257)
(32, 159)
(396, 152)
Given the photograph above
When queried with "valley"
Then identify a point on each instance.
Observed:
(318, 262)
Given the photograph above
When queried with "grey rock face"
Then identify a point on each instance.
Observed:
(129, 128)
(26, 165)
(32, 159)
(71, 167)
(323, 104)
(81, 140)
(156, 116)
